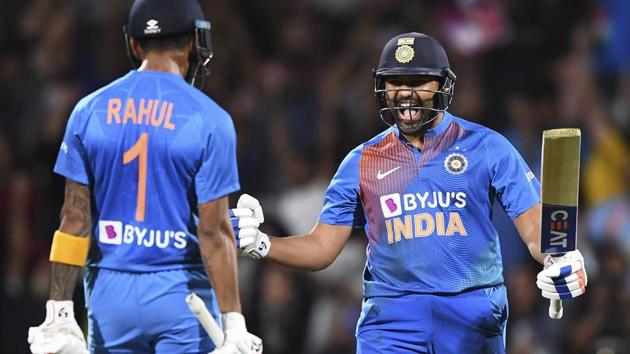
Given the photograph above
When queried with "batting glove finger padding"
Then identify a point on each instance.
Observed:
(245, 222)
(575, 277)
(554, 295)
(249, 202)
(562, 269)
(241, 212)
(246, 218)
(571, 283)
(245, 237)
(564, 277)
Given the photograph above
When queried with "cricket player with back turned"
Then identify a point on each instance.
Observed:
(149, 161)
(423, 191)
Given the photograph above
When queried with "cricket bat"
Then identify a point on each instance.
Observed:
(560, 173)
(198, 307)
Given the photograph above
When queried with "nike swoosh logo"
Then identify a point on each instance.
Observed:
(380, 175)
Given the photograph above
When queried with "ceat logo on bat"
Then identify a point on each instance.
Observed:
(391, 205)
(559, 228)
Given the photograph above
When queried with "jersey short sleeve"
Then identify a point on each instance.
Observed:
(71, 160)
(516, 187)
(218, 174)
(341, 202)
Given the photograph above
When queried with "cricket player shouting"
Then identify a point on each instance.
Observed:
(149, 161)
(423, 191)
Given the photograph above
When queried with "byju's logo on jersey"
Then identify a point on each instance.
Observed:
(110, 232)
(116, 233)
(391, 205)
(455, 163)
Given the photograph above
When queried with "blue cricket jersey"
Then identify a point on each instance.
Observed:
(428, 214)
(151, 148)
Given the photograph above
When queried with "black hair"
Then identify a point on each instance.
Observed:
(166, 43)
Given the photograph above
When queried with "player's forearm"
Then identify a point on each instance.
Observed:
(302, 252)
(76, 220)
(63, 282)
(219, 256)
(532, 241)
(534, 251)
(528, 226)
(314, 251)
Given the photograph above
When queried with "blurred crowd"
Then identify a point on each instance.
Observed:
(296, 76)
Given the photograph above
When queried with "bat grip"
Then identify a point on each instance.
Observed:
(555, 309)
(199, 309)
(555, 305)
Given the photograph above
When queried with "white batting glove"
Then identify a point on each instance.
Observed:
(246, 218)
(564, 277)
(237, 339)
(60, 333)
(229, 348)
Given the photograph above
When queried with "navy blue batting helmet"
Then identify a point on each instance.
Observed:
(164, 18)
(409, 55)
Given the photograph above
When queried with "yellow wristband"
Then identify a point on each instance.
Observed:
(69, 249)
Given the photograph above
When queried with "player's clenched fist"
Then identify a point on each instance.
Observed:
(564, 277)
(60, 333)
(237, 339)
(246, 218)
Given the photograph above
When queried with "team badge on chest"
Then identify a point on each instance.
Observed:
(455, 163)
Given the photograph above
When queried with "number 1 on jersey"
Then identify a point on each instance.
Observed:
(139, 150)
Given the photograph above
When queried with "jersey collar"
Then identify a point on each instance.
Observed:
(440, 128)
(153, 73)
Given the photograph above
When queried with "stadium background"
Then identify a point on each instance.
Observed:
(296, 77)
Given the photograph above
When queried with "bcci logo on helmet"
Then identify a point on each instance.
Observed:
(404, 54)
(455, 163)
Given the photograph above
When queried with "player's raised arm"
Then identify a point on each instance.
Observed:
(313, 251)
(60, 332)
(562, 277)
(218, 251)
(317, 249)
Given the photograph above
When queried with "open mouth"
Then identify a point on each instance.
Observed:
(410, 114)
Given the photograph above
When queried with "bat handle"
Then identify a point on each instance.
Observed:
(199, 309)
(555, 306)
(555, 309)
